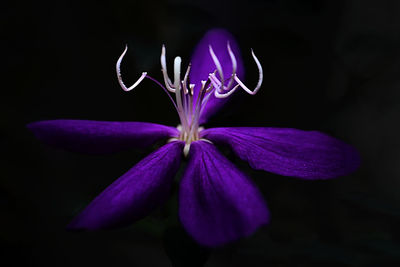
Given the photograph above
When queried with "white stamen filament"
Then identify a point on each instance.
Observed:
(188, 104)
(118, 69)
(185, 79)
(217, 64)
(234, 66)
(177, 72)
(167, 80)
(260, 77)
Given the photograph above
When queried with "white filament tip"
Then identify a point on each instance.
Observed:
(177, 72)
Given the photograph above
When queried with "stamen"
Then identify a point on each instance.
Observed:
(185, 99)
(177, 72)
(234, 66)
(217, 83)
(178, 92)
(185, 78)
(209, 91)
(204, 84)
(219, 95)
(144, 75)
(191, 87)
(217, 64)
(164, 71)
(260, 77)
(190, 114)
(198, 106)
(118, 69)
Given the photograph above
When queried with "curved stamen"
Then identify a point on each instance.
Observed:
(217, 63)
(260, 77)
(164, 71)
(214, 80)
(227, 94)
(185, 78)
(177, 73)
(234, 67)
(144, 75)
(118, 69)
(220, 71)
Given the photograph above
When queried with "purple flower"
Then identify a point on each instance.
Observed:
(217, 202)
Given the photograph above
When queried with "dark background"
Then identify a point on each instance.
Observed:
(331, 66)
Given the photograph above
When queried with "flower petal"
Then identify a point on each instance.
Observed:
(134, 194)
(99, 136)
(289, 152)
(217, 202)
(202, 65)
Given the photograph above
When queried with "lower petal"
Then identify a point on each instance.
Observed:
(135, 194)
(217, 202)
(289, 152)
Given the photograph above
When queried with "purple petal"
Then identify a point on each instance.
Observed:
(99, 136)
(202, 65)
(289, 152)
(217, 202)
(136, 193)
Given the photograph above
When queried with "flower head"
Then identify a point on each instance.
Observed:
(217, 202)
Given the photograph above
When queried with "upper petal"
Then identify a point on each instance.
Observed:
(134, 194)
(99, 136)
(203, 65)
(289, 152)
(217, 202)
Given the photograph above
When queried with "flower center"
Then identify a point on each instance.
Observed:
(189, 137)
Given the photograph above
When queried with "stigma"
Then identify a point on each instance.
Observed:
(190, 99)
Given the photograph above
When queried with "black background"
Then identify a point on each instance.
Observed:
(331, 66)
